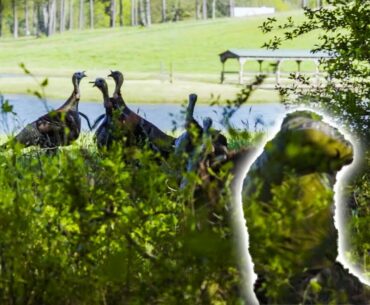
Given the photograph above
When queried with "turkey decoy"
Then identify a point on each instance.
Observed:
(290, 185)
(59, 127)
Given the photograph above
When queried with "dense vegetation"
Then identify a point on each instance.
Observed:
(79, 228)
(345, 33)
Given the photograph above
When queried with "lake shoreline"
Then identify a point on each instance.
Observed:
(165, 116)
(150, 90)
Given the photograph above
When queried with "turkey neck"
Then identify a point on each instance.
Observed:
(190, 112)
(72, 102)
(117, 92)
(107, 102)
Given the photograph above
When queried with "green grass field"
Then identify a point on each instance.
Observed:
(191, 48)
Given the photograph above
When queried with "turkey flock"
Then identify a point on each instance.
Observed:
(119, 124)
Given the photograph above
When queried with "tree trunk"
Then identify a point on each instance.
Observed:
(304, 3)
(204, 9)
(62, 25)
(148, 13)
(34, 18)
(231, 8)
(164, 11)
(81, 18)
(54, 16)
(1, 16)
(213, 9)
(51, 15)
(91, 14)
(112, 10)
(133, 13)
(319, 3)
(71, 14)
(43, 18)
(120, 3)
(15, 19)
(141, 13)
(26, 19)
(197, 9)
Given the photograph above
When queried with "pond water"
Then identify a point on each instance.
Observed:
(252, 117)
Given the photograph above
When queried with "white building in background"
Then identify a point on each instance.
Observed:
(252, 11)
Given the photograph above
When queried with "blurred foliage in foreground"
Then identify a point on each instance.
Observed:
(79, 227)
(82, 226)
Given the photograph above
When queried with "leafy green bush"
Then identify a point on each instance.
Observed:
(344, 93)
(81, 227)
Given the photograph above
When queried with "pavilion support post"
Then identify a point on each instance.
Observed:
(241, 70)
(298, 61)
(223, 73)
(260, 61)
(277, 72)
(317, 72)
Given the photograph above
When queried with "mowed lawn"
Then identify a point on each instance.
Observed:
(190, 47)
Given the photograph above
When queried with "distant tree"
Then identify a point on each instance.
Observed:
(62, 24)
(1, 16)
(81, 18)
(148, 13)
(213, 9)
(120, 13)
(231, 8)
(133, 12)
(164, 11)
(141, 13)
(204, 9)
(197, 9)
(26, 18)
(51, 17)
(71, 14)
(41, 18)
(91, 14)
(112, 13)
(15, 19)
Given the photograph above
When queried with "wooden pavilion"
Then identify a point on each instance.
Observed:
(277, 56)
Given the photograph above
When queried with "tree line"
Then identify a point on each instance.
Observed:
(46, 17)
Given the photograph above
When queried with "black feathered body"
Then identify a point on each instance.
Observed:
(59, 127)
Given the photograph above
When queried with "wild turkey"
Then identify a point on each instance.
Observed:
(187, 141)
(198, 154)
(192, 136)
(59, 127)
(103, 134)
(115, 126)
(288, 205)
(136, 128)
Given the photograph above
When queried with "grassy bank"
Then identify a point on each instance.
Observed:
(139, 91)
(192, 46)
(146, 56)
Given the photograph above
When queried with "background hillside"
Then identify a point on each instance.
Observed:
(147, 55)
